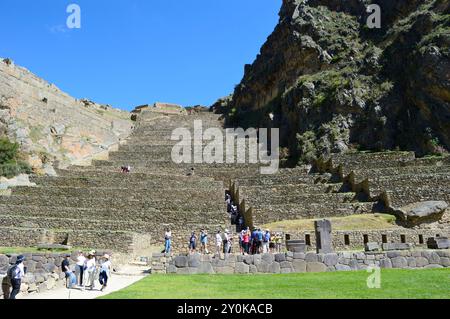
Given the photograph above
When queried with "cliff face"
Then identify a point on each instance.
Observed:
(49, 125)
(333, 84)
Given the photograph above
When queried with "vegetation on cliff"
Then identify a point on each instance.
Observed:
(12, 162)
(334, 84)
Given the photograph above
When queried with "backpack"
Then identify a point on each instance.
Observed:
(11, 272)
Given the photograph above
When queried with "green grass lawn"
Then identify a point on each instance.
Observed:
(395, 283)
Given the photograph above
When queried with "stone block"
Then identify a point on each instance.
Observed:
(51, 283)
(411, 262)
(253, 269)
(171, 269)
(4, 260)
(181, 261)
(360, 256)
(240, 258)
(299, 265)
(331, 268)
(257, 259)
(263, 267)
(315, 267)
(242, 268)
(431, 266)
(280, 257)
(443, 253)
(248, 259)
(299, 255)
(393, 254)
(274, 268)
(438, 243)
(206, 268)
(285, 264)
(362, 267)
(372, 246)
(224, 270)
(268, 258)
(340, 267)
(353, 264)
(399, 262)
(49, 267)
(330, 259)
(311, 257)
(445, 261)
(421, 262)
(396, 246)
(194, 260)
(286, 270)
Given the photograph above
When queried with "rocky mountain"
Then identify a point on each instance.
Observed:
(332, 83)
(50, 125)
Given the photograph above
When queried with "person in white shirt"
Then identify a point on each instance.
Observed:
(218, 242)
(91, 266)
(16, 273)
(168, 241)
(105, 271)
(79, 268)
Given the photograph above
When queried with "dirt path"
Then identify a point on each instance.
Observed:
(118, 281)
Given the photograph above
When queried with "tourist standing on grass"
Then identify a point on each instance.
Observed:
(168, 241)
(16, 273)
(218, 242)
(70, 276)
(105, 271)
(90, 270)
(204, 241)
(79, 268)
(192, 243)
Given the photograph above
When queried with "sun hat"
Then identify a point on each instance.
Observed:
(106, 256)
(20, 259)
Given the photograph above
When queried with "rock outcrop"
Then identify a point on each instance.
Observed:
(332, 83)
(50, 125)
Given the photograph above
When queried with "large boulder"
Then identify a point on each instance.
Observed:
(423, 212)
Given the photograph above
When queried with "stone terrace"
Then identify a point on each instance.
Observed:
(120, 211)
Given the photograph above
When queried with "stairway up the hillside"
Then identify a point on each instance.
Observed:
(100, 207)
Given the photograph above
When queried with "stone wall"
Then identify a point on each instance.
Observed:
(357, 238)
(43, 271)
(298, 262)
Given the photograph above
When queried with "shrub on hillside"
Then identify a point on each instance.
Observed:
(10, 163)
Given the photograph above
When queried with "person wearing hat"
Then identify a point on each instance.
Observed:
(90, 270)
(105, 271)
(16, 273)
(70, 276)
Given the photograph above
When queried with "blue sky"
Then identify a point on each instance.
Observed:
(133, 52)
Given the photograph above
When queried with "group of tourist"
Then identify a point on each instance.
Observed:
(236, 217)
(83, 276)
(259, 242)
(86, 269)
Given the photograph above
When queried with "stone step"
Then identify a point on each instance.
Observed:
(156, 165)
(400, 172)
(283, 190)
(114, 203)
(187, 194)
(88, 172)
(402, 197)
(300, 199)
(132, 181)
(273, 213)
(153, 214)
(89, 224)
(408, 182)
(90, 239)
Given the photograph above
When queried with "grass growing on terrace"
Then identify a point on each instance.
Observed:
(352, 222)
(25, 250)
(395, 283)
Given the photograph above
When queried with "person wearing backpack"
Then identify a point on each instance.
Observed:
(266, 241)
(15, 275)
